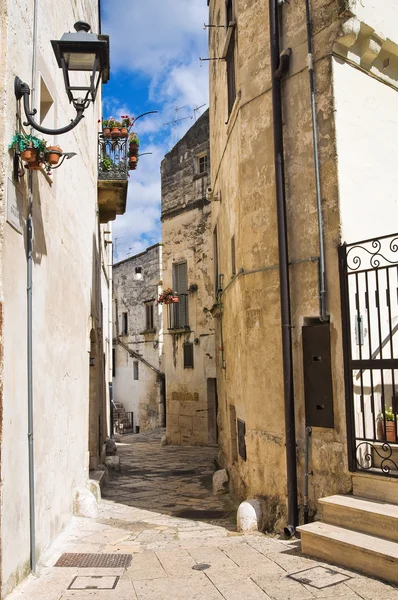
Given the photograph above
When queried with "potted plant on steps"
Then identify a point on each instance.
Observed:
(390, 432)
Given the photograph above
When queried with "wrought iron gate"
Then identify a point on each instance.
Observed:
(369, 301)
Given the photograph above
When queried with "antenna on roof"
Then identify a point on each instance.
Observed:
(196, 109)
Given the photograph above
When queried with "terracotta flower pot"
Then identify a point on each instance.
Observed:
(133, 147)
(29, 155)
(106, 132)
(37, 165)
(132, 166)
(124, 132)
(115, 132)
(390, 431)
(53, 154)
(389, 436)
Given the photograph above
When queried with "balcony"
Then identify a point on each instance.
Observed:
(178, 313)
(113, 172)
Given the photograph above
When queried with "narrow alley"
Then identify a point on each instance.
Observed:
(141, 548)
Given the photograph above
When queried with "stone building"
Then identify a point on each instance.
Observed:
(189, 351)
(138, 381)
(55, 286)
(340, 325)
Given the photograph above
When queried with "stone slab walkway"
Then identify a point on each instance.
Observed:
(182, 559)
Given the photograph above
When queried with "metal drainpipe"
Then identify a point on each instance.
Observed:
(322, 280)
(110, 332)
(29, 251)
(291, 461)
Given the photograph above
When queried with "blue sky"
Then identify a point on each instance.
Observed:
(155, 49)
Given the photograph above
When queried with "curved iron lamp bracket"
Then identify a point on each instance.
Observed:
(22, 90)
(67, 156)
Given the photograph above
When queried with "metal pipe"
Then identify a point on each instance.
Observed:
(291, 460)
(110, 331)
(308, 432)
(322, 279)
(29, 258)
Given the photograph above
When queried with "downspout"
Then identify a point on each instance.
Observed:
(29, 251)
(322, 280)
(279, 67)
(110, 332)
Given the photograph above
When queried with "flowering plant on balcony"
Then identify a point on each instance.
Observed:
(127, 121)
(168, 297)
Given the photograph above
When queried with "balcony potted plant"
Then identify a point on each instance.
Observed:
(127, 123)
(114, 126)
(168, 297)
(390, 433)
(107, 163)
(106, 130)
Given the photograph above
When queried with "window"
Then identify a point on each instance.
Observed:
(231, 81)
(124, 323)
(135, 370)
(149, 316)
(138, 270)
(113, 362)
(203, 165)
(233, 255)
(138, 273)
(178, 312)
(188, 355)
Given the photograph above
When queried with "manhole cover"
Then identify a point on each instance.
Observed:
(189, 513)
(202, 567)
(96, 582)
(105, 561)
(319, 577)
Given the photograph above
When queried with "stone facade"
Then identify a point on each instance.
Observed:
(189, 352)
(138, 381)
(352, 42)
(70, 263)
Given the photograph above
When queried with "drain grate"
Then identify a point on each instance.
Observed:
(190, 513)
(104, 561)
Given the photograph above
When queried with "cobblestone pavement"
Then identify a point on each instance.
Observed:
(182, 559)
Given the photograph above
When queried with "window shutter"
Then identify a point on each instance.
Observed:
(188, 355)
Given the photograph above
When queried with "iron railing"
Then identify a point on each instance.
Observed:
(112, 158)
(369, 282)
(178, 313)
(123, 422)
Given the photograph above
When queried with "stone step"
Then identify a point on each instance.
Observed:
(367, 516)
(350, 549)
(375, 487)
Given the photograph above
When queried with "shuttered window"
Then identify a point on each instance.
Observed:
(188, 355)
(149, 316)
(180, 285)
(124, 323)
(135, 370)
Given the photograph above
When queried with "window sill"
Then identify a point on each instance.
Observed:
(176, 331)
(148, 332)
(200, 175)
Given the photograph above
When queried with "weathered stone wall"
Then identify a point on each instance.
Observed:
(66, 289)
(249, 365)
(131, 292)
(186, 234)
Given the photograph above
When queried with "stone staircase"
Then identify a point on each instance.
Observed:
(359, 532)
(122, 421)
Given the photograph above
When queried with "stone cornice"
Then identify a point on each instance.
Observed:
(362, 45)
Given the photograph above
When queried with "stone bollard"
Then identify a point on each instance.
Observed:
(113, 463)
(220, 482)
(163, 440)
(84, 504)
(249, 516)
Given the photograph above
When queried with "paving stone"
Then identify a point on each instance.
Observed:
(282, 588)
(145, 566)
(212, 556)
(199, 588)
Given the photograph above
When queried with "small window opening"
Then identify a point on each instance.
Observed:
(202, 164)
(188, 355)
(149, 324)
(233, 255)
(124, 323)
(135, 369)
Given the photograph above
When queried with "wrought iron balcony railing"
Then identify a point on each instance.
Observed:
(112, 158)
(178, 313)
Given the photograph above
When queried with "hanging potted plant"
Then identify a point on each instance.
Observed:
(134, 143)
(53, 154)
(127, 123)
(168, 297)
(390, 433)
(133, 160)
(30, 147)
(106, 131)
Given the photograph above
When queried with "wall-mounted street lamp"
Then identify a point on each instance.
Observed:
(75, 53)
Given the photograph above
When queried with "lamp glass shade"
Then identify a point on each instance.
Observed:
(80, 61)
